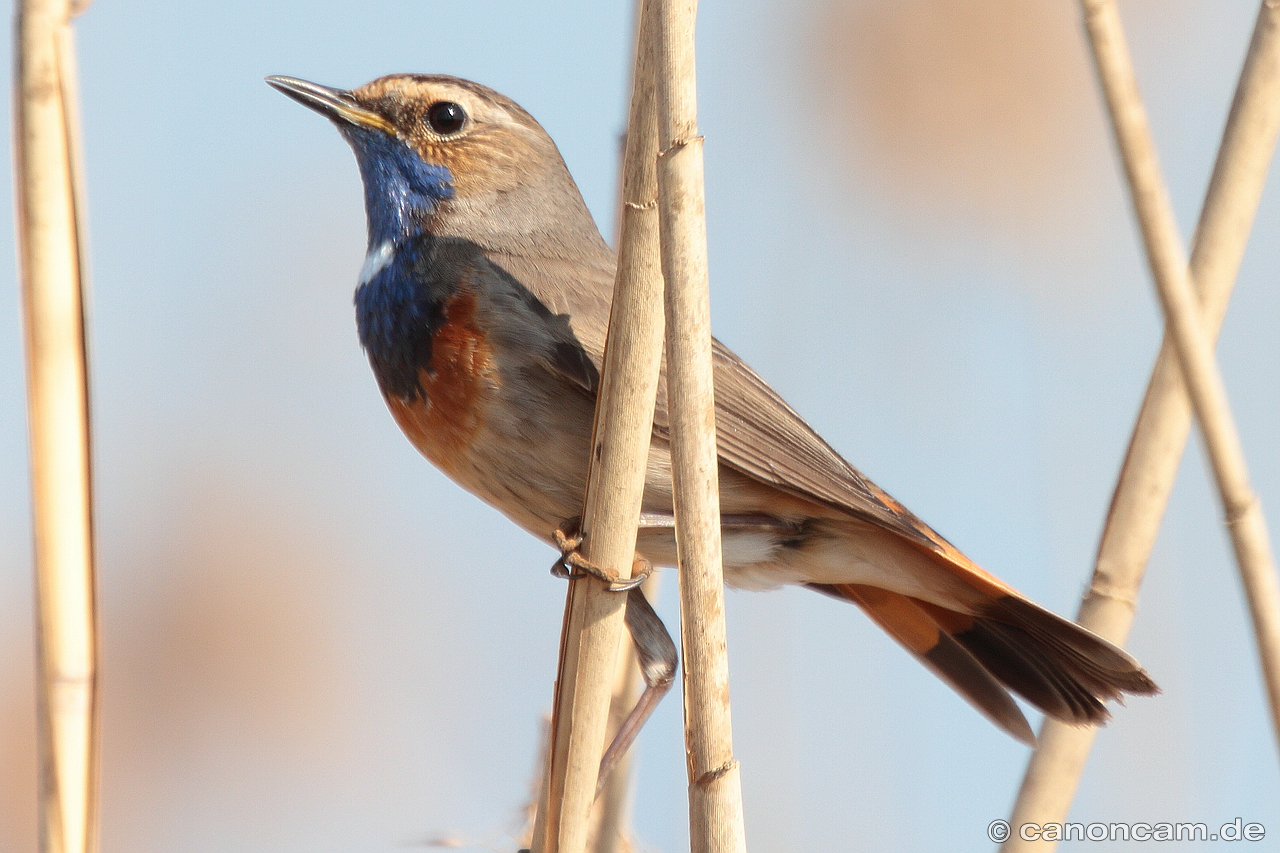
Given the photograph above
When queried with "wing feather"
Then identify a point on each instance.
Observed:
(757, 433)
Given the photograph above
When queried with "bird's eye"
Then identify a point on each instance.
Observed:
(446, 118)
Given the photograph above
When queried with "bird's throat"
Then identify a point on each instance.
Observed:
(401, 190)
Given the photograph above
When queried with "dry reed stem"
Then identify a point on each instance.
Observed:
(592, 636)
(51, 260)
(1195, 354)
(1164, 422)
(612, 812)
(715, 797)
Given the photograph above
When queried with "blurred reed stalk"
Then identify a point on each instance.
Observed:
(591, 641)
(715, 797)
(51, 260)
(1164, 422)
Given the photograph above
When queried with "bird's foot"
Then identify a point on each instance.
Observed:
(568, 538)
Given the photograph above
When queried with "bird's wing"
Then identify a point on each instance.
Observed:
(757, 433)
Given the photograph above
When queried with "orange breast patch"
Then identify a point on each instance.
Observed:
(456, 387)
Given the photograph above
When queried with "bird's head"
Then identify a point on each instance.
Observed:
(453, 157)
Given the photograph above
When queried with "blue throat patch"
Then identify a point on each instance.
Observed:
(401, 306)
(398, 312)
(401, 190)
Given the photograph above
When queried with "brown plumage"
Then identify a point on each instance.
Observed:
(472, 212)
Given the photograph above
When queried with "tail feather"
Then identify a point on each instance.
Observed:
(1062, 669)
(1097, 659)
(1034, 673)
(904, 619)
(1065, 670)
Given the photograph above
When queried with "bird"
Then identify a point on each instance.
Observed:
(482, 306)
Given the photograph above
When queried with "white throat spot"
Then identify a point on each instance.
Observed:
(377, 260)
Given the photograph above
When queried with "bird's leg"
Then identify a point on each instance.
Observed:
(654, 647)
(657, 654)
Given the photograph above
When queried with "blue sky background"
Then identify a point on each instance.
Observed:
(313, 641)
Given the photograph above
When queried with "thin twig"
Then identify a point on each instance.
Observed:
(50, 240)
(1161, 432)
(715, 797)
(620, 445)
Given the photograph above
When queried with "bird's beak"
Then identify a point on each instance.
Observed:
(337, 104)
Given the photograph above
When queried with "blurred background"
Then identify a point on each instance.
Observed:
(313, 641)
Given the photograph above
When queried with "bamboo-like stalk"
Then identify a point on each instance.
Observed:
(715, 796)
(50, 242)
(1200, 373)
(624, 425)
(1161, 432)
(1195, 354)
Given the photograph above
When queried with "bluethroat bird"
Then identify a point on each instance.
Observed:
(482, 305)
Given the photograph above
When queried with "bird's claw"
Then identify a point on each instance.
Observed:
(568, 539)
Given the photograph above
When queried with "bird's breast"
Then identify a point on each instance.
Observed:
(454, 388)
(477, 374)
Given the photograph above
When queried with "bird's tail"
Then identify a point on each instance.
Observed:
(1008, 643)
